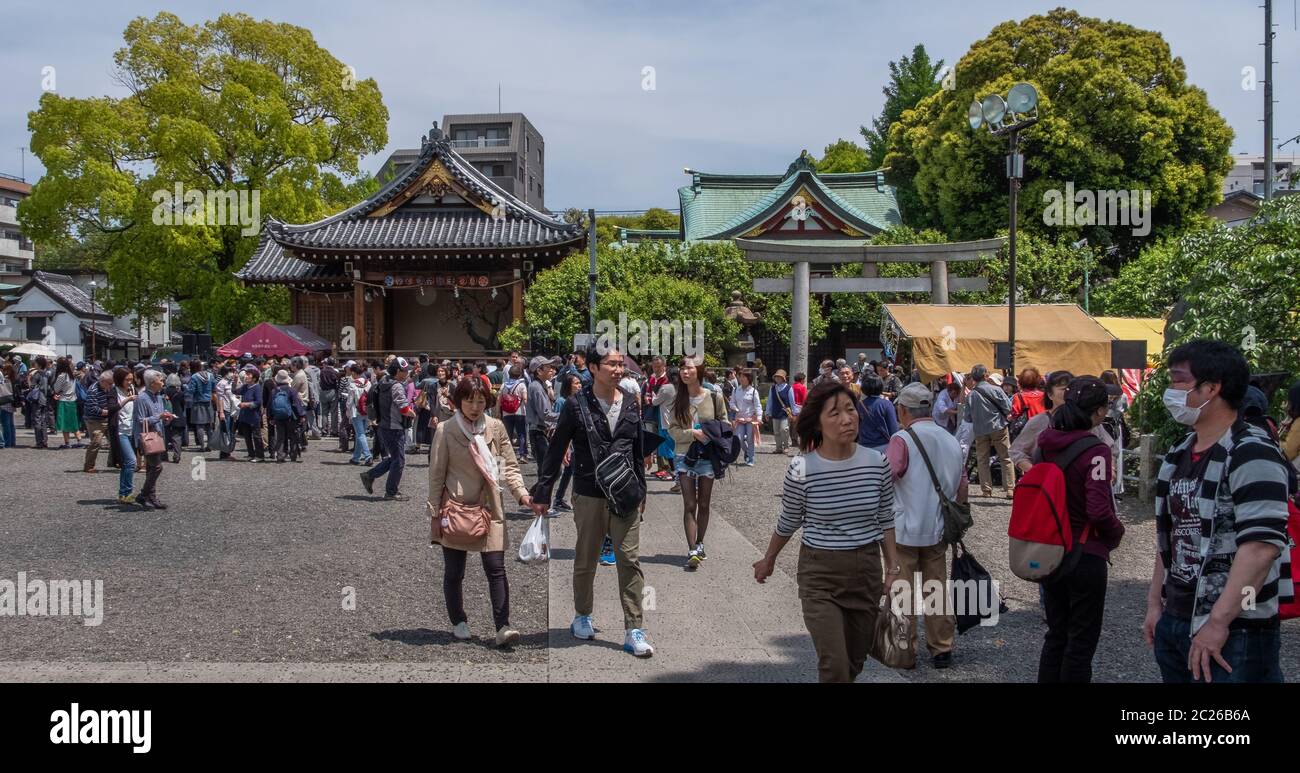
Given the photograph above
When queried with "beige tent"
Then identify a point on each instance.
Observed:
(1149, 329)
(956, 338)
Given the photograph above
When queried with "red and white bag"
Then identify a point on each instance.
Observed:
(1042, 547)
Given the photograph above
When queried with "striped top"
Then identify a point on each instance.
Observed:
(1243, 498)
(841, 505)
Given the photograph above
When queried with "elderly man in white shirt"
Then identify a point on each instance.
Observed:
(937, 462)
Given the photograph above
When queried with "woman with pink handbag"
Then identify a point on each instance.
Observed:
(472, 456)
(150, 415)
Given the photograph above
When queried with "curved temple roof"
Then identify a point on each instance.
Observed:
(724, 206)
(483, 217)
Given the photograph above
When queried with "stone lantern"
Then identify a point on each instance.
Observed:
(736, 353)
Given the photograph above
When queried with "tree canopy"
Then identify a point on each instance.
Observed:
(1240, 285)
(1116, 114)
(911, 79)
(252, 110)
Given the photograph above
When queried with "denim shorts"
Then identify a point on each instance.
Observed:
(702, 468)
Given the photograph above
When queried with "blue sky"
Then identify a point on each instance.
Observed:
(740, 86)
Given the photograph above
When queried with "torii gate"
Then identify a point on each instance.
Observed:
(803, 254)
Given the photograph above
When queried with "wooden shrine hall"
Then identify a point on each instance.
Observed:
(436, 261)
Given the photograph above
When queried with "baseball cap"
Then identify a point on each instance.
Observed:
(539, 361)
(915, 397)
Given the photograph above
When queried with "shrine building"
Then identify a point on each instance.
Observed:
(436, 261)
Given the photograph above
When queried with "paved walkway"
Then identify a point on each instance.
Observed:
(712, 625)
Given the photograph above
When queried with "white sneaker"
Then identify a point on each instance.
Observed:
(506, 636)
(461, 631)
(581, 627)
(637, 644)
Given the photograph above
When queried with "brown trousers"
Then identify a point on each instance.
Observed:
(594, 521)
(840, 591)
(1001, 442)
(940, 629)
(97, 428)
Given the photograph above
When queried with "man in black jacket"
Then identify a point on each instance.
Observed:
(616, 417)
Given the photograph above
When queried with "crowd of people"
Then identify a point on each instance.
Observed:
(870, 513)
(878, 457)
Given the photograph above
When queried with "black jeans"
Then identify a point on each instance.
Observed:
(252, 439)
(565, 478)
(153, 468)
(453, 575)
(1075, 606)
(540, 444)
(286, 435)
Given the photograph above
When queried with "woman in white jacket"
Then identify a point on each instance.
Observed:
(748, 410)
(354, 386)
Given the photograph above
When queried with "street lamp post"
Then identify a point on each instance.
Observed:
(1008, 117)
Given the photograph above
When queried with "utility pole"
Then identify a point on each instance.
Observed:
(1268, 100)
(591, 272)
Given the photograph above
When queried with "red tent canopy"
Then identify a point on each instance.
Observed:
(269, 340)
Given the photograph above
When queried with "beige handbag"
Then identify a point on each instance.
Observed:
(458, 521)
(892, 641)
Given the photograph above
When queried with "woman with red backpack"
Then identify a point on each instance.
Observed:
(1075, 600)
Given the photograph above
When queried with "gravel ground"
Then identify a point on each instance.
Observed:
(248, 564)
(1007, 652)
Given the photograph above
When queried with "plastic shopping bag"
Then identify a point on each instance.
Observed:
(536, 546)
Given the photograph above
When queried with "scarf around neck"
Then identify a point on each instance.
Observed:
(484, 459)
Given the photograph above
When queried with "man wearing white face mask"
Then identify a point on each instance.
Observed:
(1221, 512)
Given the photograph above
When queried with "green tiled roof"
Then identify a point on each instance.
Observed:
(717, 206)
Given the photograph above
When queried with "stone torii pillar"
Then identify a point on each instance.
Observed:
(802, 255)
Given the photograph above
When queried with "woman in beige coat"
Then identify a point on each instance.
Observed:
(470, 449)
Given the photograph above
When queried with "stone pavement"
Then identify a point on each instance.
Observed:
(712, 625)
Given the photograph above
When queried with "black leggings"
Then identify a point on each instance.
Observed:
(453, 575)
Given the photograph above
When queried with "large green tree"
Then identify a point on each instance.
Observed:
(911, 79)
(1240, 285)
(231, 106)
(1117, 113)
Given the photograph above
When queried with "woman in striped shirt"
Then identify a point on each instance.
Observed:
(842, 495)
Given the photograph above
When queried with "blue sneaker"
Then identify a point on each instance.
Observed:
(637, 644)
(581, 627)
(607, 557)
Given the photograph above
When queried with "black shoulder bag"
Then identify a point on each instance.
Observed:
(613, 471)
(956, 515)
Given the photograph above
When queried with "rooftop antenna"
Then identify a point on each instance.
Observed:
(22, 162)
(498, 96)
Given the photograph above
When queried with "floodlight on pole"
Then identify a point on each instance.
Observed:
(994, 109)
(1009, 116)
